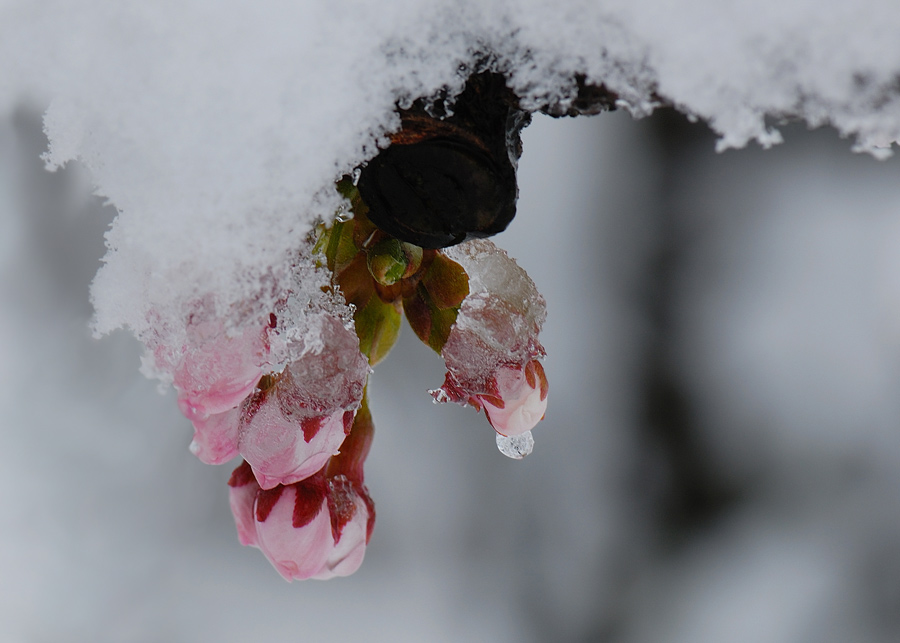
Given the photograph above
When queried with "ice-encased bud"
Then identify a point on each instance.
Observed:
(283, 450)
(289, 430)
(492, 350)
(214, 372)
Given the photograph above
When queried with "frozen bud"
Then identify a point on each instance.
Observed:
(492, 350)
(317, 528)
(284, 447)
(216, 437)
(216, 372)
(520, 400)
(290, 429)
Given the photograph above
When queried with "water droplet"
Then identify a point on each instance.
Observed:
(440, 396)
(516, 446)
(354, 175)
(343, 215)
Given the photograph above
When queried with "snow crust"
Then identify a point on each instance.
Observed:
(218, 129)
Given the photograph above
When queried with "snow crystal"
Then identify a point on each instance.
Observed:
(218, 130)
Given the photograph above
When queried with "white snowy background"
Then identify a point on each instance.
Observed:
(719, 460)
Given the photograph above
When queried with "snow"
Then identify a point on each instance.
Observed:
(217, 130)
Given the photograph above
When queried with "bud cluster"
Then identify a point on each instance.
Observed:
(287, 392)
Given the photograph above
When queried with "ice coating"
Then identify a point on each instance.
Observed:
(330, 374)
(493, 348)
(216, 372)
(503, 311)
(308, 313)
(499, 321)
(517, 446)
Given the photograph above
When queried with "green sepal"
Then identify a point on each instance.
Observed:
(337, 245)
(432, 308)
(377, 326)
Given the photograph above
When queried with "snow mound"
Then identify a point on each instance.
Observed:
(218, 129)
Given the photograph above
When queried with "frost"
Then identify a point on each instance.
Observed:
(218, 130)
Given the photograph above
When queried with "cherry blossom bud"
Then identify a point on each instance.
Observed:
(520, 400)
(316, 528)
(290, 430)
(285, 448)
(492, 350)
(216, 437)
(217, 372)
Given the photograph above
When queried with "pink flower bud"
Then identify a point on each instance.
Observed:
(514, 398)
(492, 350)
(520, 401)
(284, 447)
(216, 437)
(216, 372)
(317, 528)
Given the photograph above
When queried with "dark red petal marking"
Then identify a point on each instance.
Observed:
(308, 503)
(530, 374)
(253, 403)
(341, 504)
(348, 421)
(265, 501)
(241, 476)
(493, 400)
(542, 376)
(311, 426)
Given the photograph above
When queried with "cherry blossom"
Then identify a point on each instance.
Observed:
(216, 372)
(492, 350)
(317, 527)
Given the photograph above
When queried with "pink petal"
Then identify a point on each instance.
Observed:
(242, 495)
(524, 402)
(216, 437)
(217, 372)
(275, 447)
(297, 553)
(350, 542)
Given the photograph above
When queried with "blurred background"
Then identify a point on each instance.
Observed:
(719, 461)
